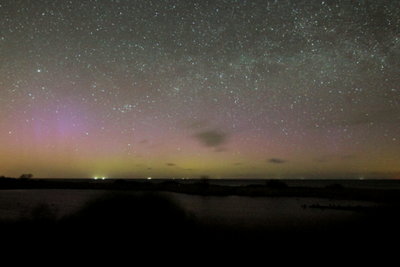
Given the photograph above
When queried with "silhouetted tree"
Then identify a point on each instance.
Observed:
(26, 176)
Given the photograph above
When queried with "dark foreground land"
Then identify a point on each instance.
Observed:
(123, 220)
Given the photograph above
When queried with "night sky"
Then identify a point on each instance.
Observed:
(184, 88)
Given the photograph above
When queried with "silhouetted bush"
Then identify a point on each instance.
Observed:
(26, 176)
(138, 216)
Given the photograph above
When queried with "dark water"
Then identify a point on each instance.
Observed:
(232, 210)
(15, 204)
(267, 212)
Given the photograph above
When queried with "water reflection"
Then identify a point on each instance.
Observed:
(266, 212)
(234, 210)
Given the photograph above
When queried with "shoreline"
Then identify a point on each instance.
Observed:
(270, 188)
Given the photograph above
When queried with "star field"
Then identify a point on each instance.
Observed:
(238, 89)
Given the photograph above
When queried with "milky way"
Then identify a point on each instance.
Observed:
(239, 89)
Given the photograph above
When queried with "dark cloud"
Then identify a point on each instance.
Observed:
(171, 164)
(276, 161)
(212, 138)
(237, 163)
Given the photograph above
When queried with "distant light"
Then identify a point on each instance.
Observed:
(103, 178)
(95, 177)
(149, 178)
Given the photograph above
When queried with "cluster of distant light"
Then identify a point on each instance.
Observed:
(148, 178)
(98, 178)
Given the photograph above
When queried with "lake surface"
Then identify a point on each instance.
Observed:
(232, 210)
(15, 204)
(283, 212)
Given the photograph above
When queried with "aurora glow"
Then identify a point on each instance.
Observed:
(238, 89)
